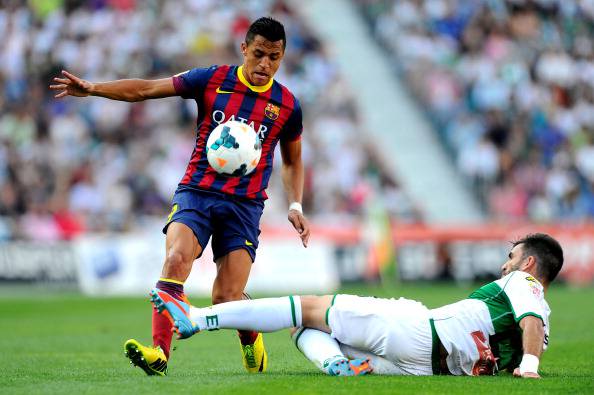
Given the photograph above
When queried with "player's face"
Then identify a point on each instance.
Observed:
(261, 59)
(515, 260)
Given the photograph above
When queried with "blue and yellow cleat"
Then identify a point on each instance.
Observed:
(150, 359)
(255, 358)
(177, 311)
(349, 367)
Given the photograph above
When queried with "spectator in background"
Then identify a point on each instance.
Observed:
(73, 140)
(509, 84)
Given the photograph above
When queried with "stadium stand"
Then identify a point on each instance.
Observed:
(395, 122)
(94, 165)
(509, 87)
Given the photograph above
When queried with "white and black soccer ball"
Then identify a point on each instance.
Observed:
(233, 148)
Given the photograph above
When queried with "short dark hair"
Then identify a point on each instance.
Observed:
(267, 27)
(546, 250)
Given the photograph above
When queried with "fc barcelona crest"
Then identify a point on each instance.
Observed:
(272, 111)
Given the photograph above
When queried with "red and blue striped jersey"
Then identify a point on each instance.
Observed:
(222, 94)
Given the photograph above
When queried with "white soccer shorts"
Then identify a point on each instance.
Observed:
(395, 329)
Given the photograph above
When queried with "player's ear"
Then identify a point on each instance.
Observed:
(243, 48)
(529, 263)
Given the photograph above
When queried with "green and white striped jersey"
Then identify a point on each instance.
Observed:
(489, 319)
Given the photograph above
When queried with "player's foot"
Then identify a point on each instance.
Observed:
(150, 359)
(255, 358)
(349, 367)
(177, 311)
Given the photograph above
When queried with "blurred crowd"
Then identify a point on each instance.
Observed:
(93, 165)
(510, 87)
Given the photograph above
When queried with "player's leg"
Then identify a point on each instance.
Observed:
(234, 245)
(187, 231)
(388, 333)
(260, 315)
(326, 353)
(315, 342)
(268, 315)
(233, 270)
(380, 365)
(181, 249)
(396, 330)
(358, 321)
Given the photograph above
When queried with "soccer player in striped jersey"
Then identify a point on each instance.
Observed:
(210, 204)
(503, 325)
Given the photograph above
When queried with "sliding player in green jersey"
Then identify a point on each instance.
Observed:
(503, 325)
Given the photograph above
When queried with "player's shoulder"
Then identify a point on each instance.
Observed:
(286, 92)
(205, 70)
(221, 70)
(519, 280)
(216, 67)
(518, 276)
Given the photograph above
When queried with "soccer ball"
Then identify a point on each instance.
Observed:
(233, 148)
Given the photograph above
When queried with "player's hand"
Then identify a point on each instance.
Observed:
(526, 375)
(71, 85)
(301, 224)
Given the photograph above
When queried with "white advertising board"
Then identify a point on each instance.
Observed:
(131, 265)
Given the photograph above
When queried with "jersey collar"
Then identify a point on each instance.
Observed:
(254, 88)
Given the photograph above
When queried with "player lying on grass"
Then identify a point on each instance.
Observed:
(502, 325)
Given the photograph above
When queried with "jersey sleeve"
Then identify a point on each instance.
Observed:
(294, 126)
(190, 84)
(525, 295)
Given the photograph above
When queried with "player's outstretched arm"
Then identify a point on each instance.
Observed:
(293, 175)
(532, 343)
(130, 90)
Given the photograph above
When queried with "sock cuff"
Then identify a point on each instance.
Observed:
(175, 289)
(170, 280)
(296, 335)
(296, 315)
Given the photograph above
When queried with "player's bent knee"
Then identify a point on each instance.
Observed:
(313, 310)
(176, 266)
(311, 303)
(174, 258)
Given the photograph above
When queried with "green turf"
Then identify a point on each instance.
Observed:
(64, 343)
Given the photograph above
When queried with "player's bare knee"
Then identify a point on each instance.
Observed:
(313, 311)
(176, 266)
(174, 258)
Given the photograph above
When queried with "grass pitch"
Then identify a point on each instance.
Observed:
(64, 343)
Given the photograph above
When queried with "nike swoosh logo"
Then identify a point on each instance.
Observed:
(219, 90)
(249, 243)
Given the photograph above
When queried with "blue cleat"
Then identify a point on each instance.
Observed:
(349, 367)
(177, 311)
